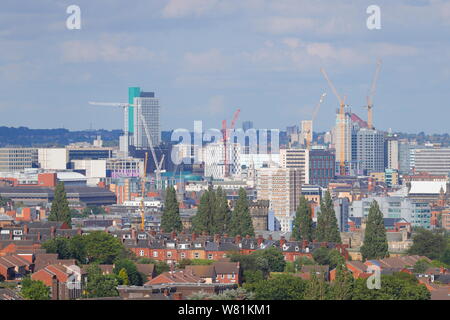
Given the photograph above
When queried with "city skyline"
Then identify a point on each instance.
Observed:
(205, 59)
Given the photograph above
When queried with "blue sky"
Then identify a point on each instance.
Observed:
(206, 58)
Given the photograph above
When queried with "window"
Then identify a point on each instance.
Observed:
(141, 253)
(196, 255)
(183, 255)
(210, 256)
(169, 254)
(155, 254)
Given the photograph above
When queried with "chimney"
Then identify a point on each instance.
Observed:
(270, 237)
(133, 234)
(225, 235)
(217, 238)
(282, 241)
(177, 296)
(305, 244)
(53, 232)
(173, 235)
(193, 236)
(39, 236)
(260, 240)
(237, 239)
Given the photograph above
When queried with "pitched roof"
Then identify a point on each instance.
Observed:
(201, 271)
(146, 268)
(224, 267)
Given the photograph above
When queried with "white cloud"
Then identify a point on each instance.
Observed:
(103, 50)
(181, 8)
(209, 61)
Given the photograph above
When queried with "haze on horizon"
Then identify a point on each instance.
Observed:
(206, 58)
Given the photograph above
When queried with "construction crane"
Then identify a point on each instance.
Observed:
(341, 155)
(371, 95)
(225, 134)
(308, 136)
(158, 165)
(143, 180)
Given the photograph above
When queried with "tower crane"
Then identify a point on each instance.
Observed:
(158, 165)
(310, 130)
(226, 137)
(371, 95)
(142, 204)
(341, 155)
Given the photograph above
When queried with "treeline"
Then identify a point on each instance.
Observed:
(25, 137)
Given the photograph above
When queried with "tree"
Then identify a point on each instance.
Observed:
(133, 275)
(327, 226)
(241, 221)
(203, 221)
(428, 243)
(302, 229)
(281, 287)
(398, 286)
(60, 210)
(421, 266)
(221, 214)
(103, 248)
(267, 261)
(34, 290)
(342, 286)
(123, 277)
(375, 245)
(99, 285)
(171, 220)
(316, 288)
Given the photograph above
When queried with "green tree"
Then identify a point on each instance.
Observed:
(421, 266)
(171, 220)
(281, 287)
(398, 286)
(60, 210)
(327, 226)
(222, 213)
(342, 286)
(133, 275)
(34, 290)
(203, 221)
(316, 288)
(241, 221)
(123, 277)
(99, 285)
(103, 248)
(303, 225)
(375, 245)
(428, 243)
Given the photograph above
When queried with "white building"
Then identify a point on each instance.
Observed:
(214, 158)
(296, 159)
(147, 106)
(53, 158)
(282, 187)
(95, 170)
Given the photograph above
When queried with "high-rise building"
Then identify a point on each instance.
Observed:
(146, 106)
(404, 157)
(370, 150)
(392, 153)
(296, 159)
(342, 138)
(432, 160)
(15, 159)
(341, 209)
(282, 187)
(307, 132)
(214, 158)
(322, 166)
(247, 125)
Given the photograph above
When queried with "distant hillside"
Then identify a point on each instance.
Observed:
(25, 137)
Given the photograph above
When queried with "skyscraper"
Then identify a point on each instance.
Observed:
(370, 150)
(147, 106)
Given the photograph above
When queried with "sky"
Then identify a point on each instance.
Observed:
(206, 58)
